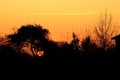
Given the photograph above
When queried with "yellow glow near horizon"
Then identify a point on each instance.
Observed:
(72, 13)
(59, 16)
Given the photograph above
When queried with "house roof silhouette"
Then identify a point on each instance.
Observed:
(116, 37)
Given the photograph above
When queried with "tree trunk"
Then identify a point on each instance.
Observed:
(32, 51)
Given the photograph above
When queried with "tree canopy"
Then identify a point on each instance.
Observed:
(32, 34)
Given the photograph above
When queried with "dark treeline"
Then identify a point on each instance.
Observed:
(30, 44)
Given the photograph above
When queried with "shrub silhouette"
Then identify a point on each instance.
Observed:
(75, 42)
(88, 46)
(70, 52)
(8, 56)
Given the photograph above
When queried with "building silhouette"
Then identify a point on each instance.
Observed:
(117, 42)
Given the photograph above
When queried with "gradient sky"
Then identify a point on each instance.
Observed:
(61, 17)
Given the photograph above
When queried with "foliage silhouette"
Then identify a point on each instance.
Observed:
(75, 42)
(105, 30)
(88, 46)
(8, 56)
(34, 39)
(33, 34)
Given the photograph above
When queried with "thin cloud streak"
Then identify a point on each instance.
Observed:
(77, 13)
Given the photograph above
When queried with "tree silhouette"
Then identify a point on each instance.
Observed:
(34, 39)
(32, 34)
(105, 30)
(75, 42)
(88, 46)
(70, 52)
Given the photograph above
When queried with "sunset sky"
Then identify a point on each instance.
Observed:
(61, 17)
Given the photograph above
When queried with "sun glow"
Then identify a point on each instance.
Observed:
(40, 53)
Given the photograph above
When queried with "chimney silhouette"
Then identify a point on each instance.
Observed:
(117, 42)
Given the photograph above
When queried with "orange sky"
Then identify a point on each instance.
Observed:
(60, 17)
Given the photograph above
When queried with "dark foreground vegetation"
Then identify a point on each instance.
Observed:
(30, 44)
